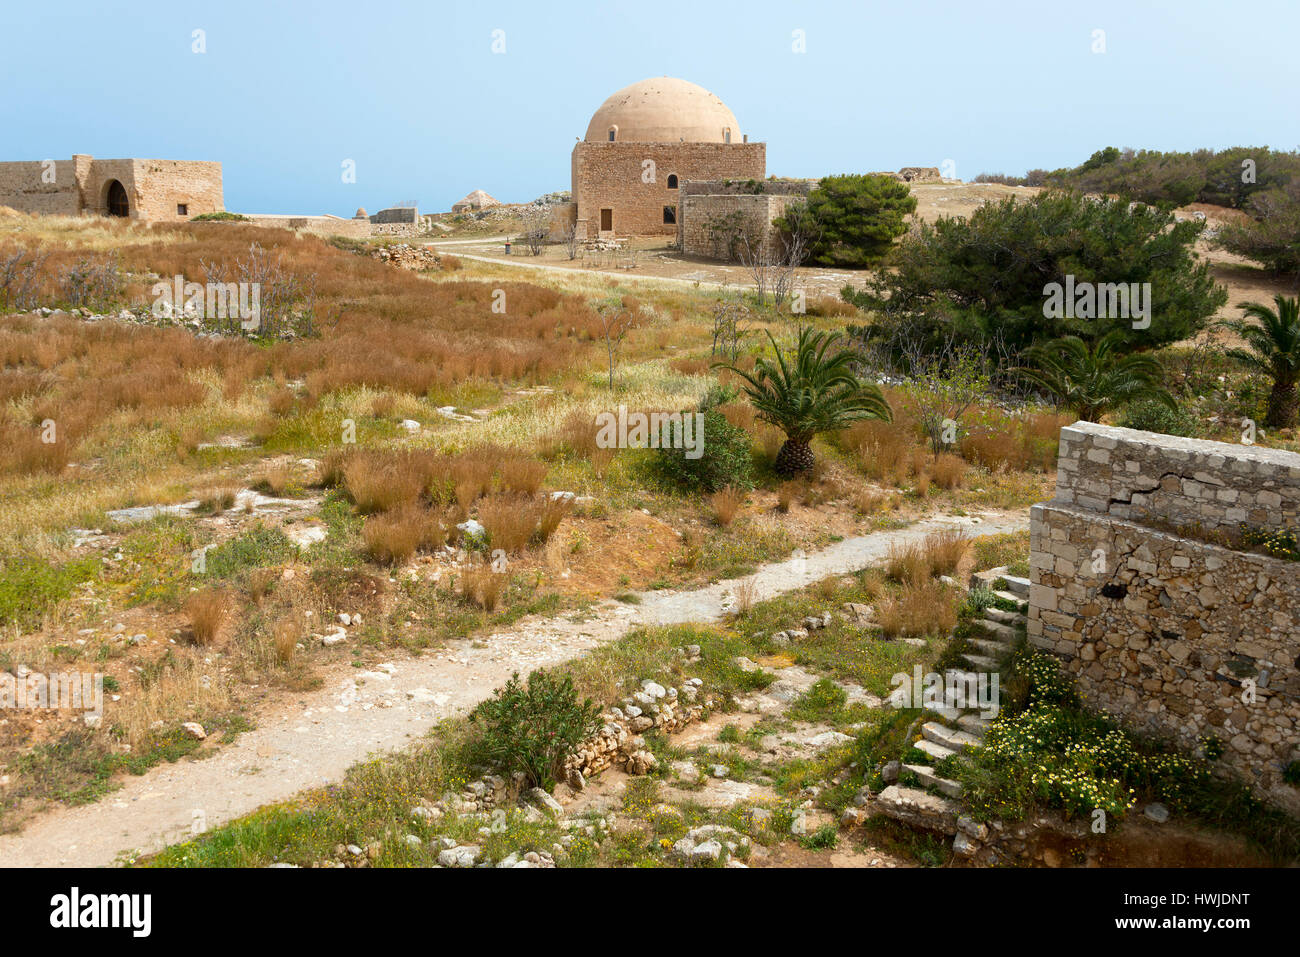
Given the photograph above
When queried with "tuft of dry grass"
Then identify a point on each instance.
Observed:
(393, 537)
(218, 500)
(921, 609)
(275, 480)
(510, 521)
(726, 504)
(944, 549)
(907, 563)
(482, 586)
(786, 493)
(285, 635)
(948, 471)
(207, 611)
(746, 594)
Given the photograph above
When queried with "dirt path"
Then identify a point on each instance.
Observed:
(356, 714)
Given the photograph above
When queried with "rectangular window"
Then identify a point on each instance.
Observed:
(182, 209)
(670, 215)
(607, 220)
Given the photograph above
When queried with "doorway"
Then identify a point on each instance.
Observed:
(117, 203)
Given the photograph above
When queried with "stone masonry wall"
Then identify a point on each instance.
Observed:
(609, 176)
(698, 212)
(1173, 635)
(1150, 477)
(154, 188)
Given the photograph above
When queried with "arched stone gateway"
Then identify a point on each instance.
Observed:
(116, 201)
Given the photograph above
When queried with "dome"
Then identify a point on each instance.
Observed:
(664, 110)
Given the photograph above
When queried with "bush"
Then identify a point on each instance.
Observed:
(724, 459)
(29, 587)
(1152, 416)
(532, 727)
(981, 279)
(855, 218)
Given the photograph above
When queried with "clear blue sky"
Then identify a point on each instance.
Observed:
(413, 93)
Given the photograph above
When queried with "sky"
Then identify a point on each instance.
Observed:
(414, 94)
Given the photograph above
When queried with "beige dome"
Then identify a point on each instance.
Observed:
(663, 110)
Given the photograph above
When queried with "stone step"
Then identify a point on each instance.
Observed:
(927, 777)
(937, 752)
(1017, 586)
(973, 725)
(983, 662)
(1020, 603)
(953, 740)
(994, 649)
(996, 629)
(1004, 617)
(917, 808)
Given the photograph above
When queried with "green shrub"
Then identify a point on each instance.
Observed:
(1150, 415)
(983, 276)
(222, 217)
(724, 458)
(533, 726)
(854, 219)
(257, 547)
(29, 587)
(822, 701)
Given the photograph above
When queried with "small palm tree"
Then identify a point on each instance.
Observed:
(1089, 380)
(816, 392)
(1273, 348)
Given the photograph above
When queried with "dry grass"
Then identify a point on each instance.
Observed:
(208, 611)
(746, 594)
(285, 635)
(786, 493)
(726, 504)
(392, 537)
(907, 562)
(510, 521)
(218, 500)
(275, 480)
(948, 471)
(482, 586)
(944, 549)
(514, 522)
(921, 609)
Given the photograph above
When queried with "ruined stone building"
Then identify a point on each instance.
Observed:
(1137, 588)
(643, 143)
(146, 189)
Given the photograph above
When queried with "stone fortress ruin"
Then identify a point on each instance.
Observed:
(1137, 586)
(667, 157)
(642, 144)
(143, 189)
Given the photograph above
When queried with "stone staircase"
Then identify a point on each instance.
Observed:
(961, 731)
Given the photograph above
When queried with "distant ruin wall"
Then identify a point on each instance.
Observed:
(1174, 635)
(317, 225)
(709, 223)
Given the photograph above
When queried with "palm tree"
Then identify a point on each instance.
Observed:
(1273, 348)
(815, 393)
(1090, 379)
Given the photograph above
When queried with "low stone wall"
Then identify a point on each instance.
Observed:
(1174, 635)
(316, 225)
(1149, 477)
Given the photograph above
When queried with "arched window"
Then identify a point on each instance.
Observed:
(613, 133)
(672, 180)
(726, 135)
